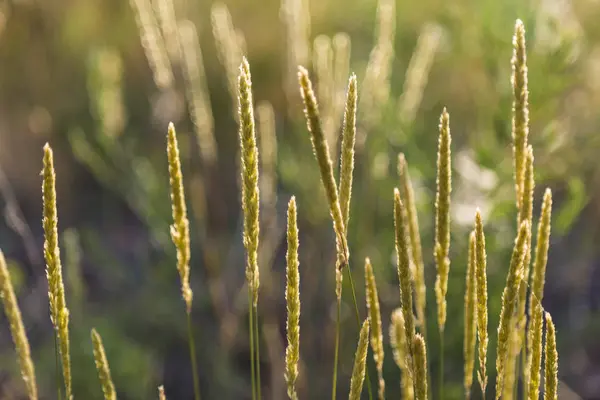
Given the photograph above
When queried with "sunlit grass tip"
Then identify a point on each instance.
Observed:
(404, 274)
(292, 296)
(551, 364)
(415, 242)
(180, 231)
(482, 302)
(108, 388)
(374, 315)
(59, 313)
(442, 217)
(400, 347)
(321, 150)
(249, 173)
(360, 360)
(470, 324)
(17, 330)
(509, 302)
(520, 119)
(420, 367)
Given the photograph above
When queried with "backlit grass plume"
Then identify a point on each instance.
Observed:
(551, 364)
(153, 43)
(180, 230)
(538, 276)
(59, 314)
(520, 121)
(347, 154)
(482, 303)
(108, 388)
(196, 91)
(509, 303)
(441, 249)
(375, 322)
(442, 217)
(249, 165)
(292, 297)
(420, 353)
(400, 347)
(470, 324)
(180, 235)
(250, 208)
(404, 275)
(17, 329)
(161, 393)
(415, 242)
(360, 360)
(321, 150)
(525, 214)
(534, 356)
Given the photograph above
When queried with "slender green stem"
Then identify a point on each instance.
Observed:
(337, 346)
(441, 365)
(359, 327)
(58, 369)
(193, 357)
(251, 330)
(257, 357)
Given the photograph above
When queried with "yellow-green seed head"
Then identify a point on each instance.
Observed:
(415, 240)
(360, 361)
(249, 166)
(59, 313)
(347, 153)
(420, 352)
(509, 304)
(404, 274)
(470, 324)
(292, 297)
(551, 365)
(17, 330)
(400, 347)
(534, 355)
(108, 388)
(442, 217)
(374, 316)
(482, 295)
(520, 120)
(538, 276)
(321, 150)
(180, 231)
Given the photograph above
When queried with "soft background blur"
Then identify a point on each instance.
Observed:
(74, 73)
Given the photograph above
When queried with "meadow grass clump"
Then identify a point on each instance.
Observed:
(520, 331)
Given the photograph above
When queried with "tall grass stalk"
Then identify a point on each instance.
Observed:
(108, 388)
(292, 296)
(250, 207)
(59, 314)
(442, 231)
(345, 184)
(17, 330)
(180, 234)
(360, 361)
(322, 154)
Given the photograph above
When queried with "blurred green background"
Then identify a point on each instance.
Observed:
(74, 73)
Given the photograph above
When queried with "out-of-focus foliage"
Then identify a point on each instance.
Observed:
(75, 73)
